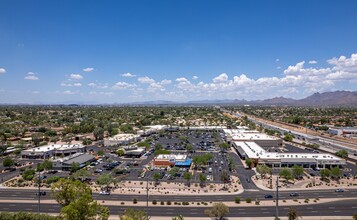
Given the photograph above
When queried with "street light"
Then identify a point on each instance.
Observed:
(39, 190)
(147, 198)
(277, 198)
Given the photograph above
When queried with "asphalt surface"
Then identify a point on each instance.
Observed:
(341, 208)
(25, 194)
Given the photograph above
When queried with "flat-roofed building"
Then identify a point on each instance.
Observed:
(67, 162)
(171, 160)
(121, 139)
(264, 140)
(47, 151)
(274, 159)
(343, 131)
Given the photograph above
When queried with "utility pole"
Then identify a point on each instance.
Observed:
(277, 198)
(39, 191)
(147, 198)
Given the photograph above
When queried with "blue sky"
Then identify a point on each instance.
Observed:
(127, 51)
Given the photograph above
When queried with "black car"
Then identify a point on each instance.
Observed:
(268, 196)
(42, 193)
(294, 194)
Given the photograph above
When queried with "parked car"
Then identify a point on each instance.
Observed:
(294, 194)
(98, 171)
(339, 190)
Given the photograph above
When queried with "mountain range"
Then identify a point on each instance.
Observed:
(337, 98)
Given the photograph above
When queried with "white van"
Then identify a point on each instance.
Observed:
(210, 170)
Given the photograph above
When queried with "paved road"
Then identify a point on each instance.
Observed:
(22, 194)
(341, 208)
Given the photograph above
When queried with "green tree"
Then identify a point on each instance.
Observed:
(98, 133)
(133, 214)
(74, 167)
(156, 177)
(46, 165)
(36, 139)
(342, 153)
(249, 162)
(81, 174)
(187, 176)
(8, 162)
(105, 180)
(286, 174)
(336, 172)
(120, 152)
(218, 211)
(354, 217)
(293, 214)
(203, 179)
(189, 148)
(224, 146)
(324, 173)
(298, 171)
(100, 152)
(179, 217)
(263, 170)
(173, 171)
(27, 215)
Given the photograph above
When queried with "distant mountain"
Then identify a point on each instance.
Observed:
(337, 98)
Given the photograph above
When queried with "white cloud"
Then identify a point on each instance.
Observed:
(123, 85)
(221, 78)
(194, 77)
(165, 82)
(31, 76)
(312, 62)
(2, 70)
(101, 93)
(77, 84)
(35, 92)
(145, 80)
(88, 69)
(295, 69)
(99, 85)
(68, 92)
(278, 68)
(128, 75)
(76, 76)
(65, 84)
(277, 60)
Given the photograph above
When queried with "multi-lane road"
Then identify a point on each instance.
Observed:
(22, 201)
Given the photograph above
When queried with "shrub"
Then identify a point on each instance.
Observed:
(162, 203)
(168, 202)
(154, 202)
(135, 201)
(237, 199)
(248, 200)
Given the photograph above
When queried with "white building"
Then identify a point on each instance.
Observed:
(343, 131)
(122, 139)
(274, 159)
(47, 151)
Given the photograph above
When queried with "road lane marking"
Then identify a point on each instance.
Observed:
(332, 207)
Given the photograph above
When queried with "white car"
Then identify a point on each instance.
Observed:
(104, 193)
